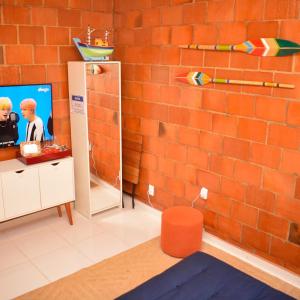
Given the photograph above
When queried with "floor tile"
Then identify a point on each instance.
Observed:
(101, 246)
(61, 262)
(20, 279)
(10, 255)
(39, 242)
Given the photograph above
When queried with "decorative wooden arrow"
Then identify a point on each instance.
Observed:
(199, 78)
(258, 47)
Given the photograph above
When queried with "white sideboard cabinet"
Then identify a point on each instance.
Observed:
(25, 189)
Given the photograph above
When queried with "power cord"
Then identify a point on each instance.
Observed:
(93, 160)
(193, 202)
(149, 201)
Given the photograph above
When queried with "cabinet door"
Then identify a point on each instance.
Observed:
(1, 202)
(21, 194)
(57, 183)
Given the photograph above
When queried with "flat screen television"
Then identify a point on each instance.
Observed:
(25, 114)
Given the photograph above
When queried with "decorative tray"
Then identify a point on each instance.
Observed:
(50, 154)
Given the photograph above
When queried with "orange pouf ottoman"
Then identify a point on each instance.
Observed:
(181, 231)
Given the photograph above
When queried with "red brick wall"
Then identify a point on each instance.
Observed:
(35, 45)
(242, 143)
(103, 118)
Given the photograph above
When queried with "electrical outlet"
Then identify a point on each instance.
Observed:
(204, 193)
(151, 190)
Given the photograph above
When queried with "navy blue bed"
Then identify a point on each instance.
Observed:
(201, 277)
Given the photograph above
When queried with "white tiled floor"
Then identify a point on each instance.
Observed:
(43, 250)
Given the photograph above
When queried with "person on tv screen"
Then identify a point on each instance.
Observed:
(8, 123)
(35, 126)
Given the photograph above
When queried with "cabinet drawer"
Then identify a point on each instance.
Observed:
(1, 203)
(21, 192)
(56, 183)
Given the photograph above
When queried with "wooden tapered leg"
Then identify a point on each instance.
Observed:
(69, 212)
(59, 211)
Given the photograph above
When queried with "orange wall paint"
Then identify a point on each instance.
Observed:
(35, 38)
(241, 142)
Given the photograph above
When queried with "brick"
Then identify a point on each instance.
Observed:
(270, 63)
(44, 16)
(289, 30)
(236, 148)
(209, 180)
(57, 36)
(225, 125)
(265, 155)
(238, 61)
(255, 239)
(218, 204)
(174, 2)
(210, 219)
(191, 57)
(191, 97)
(151, 17)
(16, 15)
(230, 228)
(294, 234)
(13, 54)
(131, 123)
(194, 13)
(259, 29)
(68, 53)
(279, 182)
(200, 120)
(226, 36)
(56, 3)
(150, 111)
(142, 73)
(288, 208)
(297, 189)
(222, 165)
(284, 136)
(201, 36)
(247, 10)
(69, 18)
(211, 142)
(102, 20)
(154, 145)
(260, 198)
(143, 36)
(176, 152)
(175, 187)
(242, 105)
(33, 74)
(248, 173)
(8, 34)
(80, 4)
(171, 15)
(187, 136)
(233, 189)
(214, 100)
(166, 167)
(170, 56)
(289, 78)
(151, 92)
(216, 59)
(170, 94)
(181, 35)
(132, 89)
(220, 11)
(278, 111)
(252, 130)
(105, 6)
(149, 161)
(197, 157)
(272, 224)
(291, 162)
(160, 74)
(9, 75)
(31, 35)
(57, 73)
(278, 9)
(150, 55)
(179, 116)
(288, 252)
(160, 35)
(244, 214)
(293, 114)
(149, 127)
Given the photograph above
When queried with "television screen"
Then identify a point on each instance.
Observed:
(25, 114)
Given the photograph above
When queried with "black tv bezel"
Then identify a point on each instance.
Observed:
(9, 85)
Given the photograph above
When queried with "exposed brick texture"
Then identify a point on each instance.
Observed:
(241, 142)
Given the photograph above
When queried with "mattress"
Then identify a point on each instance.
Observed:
(202, 277)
